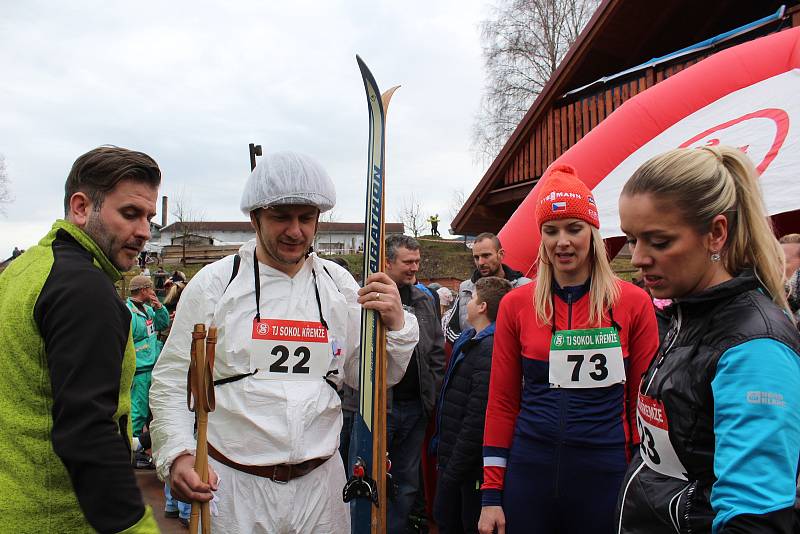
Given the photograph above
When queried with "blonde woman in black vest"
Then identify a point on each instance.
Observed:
(719, 407)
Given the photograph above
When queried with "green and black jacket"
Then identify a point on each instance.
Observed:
(66, 365)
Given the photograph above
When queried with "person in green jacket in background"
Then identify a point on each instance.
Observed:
(148, 317)
(68, 360)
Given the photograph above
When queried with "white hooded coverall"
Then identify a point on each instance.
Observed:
(268, 421)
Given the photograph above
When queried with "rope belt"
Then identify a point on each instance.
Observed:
(281, 473)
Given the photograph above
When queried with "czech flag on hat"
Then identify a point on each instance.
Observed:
(565, 196)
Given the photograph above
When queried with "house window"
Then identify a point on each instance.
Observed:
(331, 248)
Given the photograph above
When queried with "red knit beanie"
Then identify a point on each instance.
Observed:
(564, 196)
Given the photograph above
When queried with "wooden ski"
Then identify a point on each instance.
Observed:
(367, 487)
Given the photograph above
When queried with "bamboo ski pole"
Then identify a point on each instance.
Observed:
(201, 401)
(210, 404)
(198, 345)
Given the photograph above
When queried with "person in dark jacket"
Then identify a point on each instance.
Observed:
(411, 401)
(718, 407)
(487, 254)
(461, 412)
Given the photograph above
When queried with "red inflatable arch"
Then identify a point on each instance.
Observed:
(746, 96)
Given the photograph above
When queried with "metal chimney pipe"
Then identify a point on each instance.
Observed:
(163, 211)
(255, 150)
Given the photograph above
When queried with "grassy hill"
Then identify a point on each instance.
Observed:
(440, 259)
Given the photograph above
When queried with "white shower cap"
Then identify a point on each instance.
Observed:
(288, 178)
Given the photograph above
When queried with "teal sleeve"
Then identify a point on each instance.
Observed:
(757, 430)
(160, 318)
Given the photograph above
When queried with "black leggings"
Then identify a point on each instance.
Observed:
(562, 489)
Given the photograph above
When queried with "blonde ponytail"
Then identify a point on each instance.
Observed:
(751, 240)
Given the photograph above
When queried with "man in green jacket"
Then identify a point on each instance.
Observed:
(68, 360)
(148, 317)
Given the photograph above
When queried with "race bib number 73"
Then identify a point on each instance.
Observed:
(588, 358)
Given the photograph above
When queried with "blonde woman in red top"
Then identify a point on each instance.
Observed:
(569, 352)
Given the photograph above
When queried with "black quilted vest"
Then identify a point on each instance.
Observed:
(702, 328)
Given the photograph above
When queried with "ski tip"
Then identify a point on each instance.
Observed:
(387, 96)
(362, 65)
(389, 92)
(365, 72)
(370, 84)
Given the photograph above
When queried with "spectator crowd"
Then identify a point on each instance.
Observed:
(564, 400)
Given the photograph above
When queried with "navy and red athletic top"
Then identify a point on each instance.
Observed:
(523, 407)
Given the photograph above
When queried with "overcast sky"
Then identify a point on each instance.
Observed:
(192, 83)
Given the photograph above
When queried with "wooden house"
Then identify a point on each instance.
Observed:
(627, 47)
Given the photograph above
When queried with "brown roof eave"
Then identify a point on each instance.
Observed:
(551, 91)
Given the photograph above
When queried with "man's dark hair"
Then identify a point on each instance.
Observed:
(489, 235)
(491, 290)
(98, 172)
(395, 241)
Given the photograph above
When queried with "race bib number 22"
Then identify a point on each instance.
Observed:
(289, 350)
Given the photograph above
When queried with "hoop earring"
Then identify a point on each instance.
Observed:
(715, 257)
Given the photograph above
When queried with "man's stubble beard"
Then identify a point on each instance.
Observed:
(95, 229)
(498, 272)
(275, 255)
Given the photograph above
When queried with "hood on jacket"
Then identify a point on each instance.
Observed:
(509, 273)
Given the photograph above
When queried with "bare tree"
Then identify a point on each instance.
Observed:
(329, 216)
(186, 216)
(5, 185)
(457, 200)
(411, 215)
(523, 44)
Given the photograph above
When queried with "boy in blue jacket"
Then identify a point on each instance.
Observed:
(461, 411)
